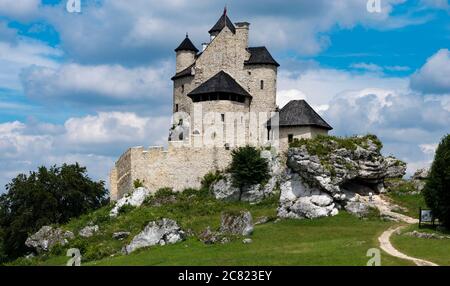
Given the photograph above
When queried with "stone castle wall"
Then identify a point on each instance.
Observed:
(178, 167)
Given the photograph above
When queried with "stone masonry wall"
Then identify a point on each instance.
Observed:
(301, 132)
(177, 168)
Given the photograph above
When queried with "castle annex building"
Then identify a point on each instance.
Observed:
(219, 88)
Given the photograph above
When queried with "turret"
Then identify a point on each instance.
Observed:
(221, 23)
(186, 52)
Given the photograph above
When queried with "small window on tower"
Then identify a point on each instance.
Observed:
(223, 117)
(176, 107)
(182, 88)
(262, 84)
(290, 138)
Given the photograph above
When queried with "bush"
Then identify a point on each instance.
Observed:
(138, 183)
(437, 187)
(248, 167)
(125, 209)
(210, 179)
(48, 196)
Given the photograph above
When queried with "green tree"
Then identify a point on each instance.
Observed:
(248, 168)
(45, 197)
(437, 188)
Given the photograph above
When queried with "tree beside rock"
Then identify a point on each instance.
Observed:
(252, 176)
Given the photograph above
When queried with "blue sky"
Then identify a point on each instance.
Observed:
(86, 86)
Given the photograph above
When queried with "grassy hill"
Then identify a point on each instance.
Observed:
(340, 240)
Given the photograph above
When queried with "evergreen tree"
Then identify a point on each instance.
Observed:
(437, 188)
(248, 167)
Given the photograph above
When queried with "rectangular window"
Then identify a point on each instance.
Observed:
(223, 117)
(176, 107)
(262, 84)
(290, 138)
(182, 88)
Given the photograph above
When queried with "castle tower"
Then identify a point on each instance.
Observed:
(186, 52)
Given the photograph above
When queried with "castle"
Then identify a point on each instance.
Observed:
(223, 97)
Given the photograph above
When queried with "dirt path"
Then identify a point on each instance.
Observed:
(385, 209)
(386, 245)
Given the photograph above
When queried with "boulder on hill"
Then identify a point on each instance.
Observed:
(88, 231)
(136, 198)
(47, 237)
(237, 223)
(161, 232)
(419, 179)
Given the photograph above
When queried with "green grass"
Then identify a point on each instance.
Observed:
(340, 240)
(324, 145)
(403, 195)
(434, 250)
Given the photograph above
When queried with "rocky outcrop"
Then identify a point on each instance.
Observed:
(162, 232)
(232, 225)
(136, 198)
(224, 189)
(298, 200)
(326, 175)
(237, 223)
(88, 231)
(48, 237)
(419, 179)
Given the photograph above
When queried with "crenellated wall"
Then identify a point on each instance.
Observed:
(178, 167)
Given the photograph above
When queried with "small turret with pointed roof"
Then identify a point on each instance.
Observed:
(186, 45)
(186, 53)
(221, 23)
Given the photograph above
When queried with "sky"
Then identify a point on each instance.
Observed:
(84, 87)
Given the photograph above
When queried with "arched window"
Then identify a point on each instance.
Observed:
(262, 84)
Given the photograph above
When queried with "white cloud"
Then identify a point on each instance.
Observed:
(434, 76)
(284, 96)
(439, 4)
(428, 148)
(20, 9)
(143, 30)
(103, 83)
(107, 127)
(367, 66)
(320, 85)
(94, 141)
(21, 54)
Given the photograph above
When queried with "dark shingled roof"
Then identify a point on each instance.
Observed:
(186, 72)
(221, 24)
(220, 83)
(260, 56)
(186, 45)
(300, 113)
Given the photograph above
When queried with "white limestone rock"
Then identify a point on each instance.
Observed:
(224, 190)
(359, 209)
(136, 198)
(47, 237)
(298, 200)
(162, 232)
(88, 231)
